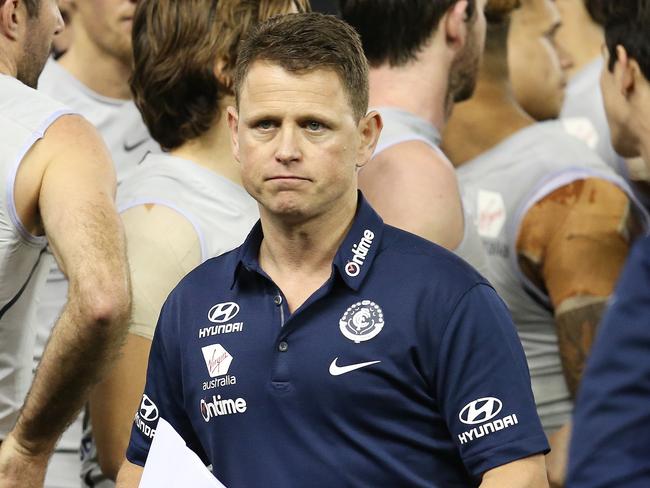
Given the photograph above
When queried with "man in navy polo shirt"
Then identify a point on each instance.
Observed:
(611, 427)
(331, 349)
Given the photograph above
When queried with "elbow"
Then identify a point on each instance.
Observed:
(106, 306)
(110, 464)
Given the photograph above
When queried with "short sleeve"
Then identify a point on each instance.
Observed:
(483, 385)
(163, 393)
(611, 430)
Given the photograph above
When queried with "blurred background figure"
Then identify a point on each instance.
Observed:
(583, 111)
(91, 77)
(59, 186)
(325, 6)
(63, 39)
(555, 220)
(186, 205)
(611, 435)
(423, 57)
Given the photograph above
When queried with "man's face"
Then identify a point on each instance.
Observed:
(464, 71)
(537, 65)
(107, 24)
(297, 141)
(39, 33)
(617, 111)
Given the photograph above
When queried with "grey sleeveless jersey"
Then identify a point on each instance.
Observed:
(583, 115)
(118, 121)
(25, 115)
(221, 212)
(501, 186)
(401, 126)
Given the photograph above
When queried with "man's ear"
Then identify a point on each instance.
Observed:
(455, 23)
(11, 15)
(233, 124)
(369, 130)
(220, 72)
(627, 72)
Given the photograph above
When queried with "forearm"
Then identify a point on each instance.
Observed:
(529, 472)
(130, 475)
(577, 320)
(114, 401)
(84, 343)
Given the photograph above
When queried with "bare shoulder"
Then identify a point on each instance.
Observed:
(412, 156)
(414, 187)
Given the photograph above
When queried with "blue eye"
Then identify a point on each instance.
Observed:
(265, 125)
(314, 126)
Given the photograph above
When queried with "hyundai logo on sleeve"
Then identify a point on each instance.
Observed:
(223, 312)
(480, 410)
(148, 409)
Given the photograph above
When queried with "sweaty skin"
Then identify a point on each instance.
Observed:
(574, 243)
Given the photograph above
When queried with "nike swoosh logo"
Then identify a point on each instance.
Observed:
(130, 147)
(336, 370)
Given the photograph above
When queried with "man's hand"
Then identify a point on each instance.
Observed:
(20, 468)
(557, 459)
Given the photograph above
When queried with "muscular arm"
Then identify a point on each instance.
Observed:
(162, 248)
(414, 188)
(573, 243)
(75, 203)
(529, 472)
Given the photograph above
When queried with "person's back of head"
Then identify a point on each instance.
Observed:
(626, 24)
(625, 80)
(394, 31)
(185, 55)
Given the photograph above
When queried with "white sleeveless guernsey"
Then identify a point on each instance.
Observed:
(25, 115)
(501, 185)
(401, 126)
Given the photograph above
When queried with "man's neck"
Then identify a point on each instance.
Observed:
(104, 74)
(304, 248)
(489, 117)
(422, 92)
(213, 149)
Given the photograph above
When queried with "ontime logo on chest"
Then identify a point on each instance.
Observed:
(362, 321)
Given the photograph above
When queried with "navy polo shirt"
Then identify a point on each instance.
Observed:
(403, 369)
(611, 432)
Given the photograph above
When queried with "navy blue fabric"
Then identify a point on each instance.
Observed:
(611, 433)
(447, 340)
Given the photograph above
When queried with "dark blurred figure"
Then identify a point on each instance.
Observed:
(611, 435)
(325, 6)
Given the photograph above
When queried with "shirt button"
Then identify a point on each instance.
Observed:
(283, 346)
(277, 299)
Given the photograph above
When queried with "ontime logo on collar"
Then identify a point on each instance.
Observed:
(362, 321)
(359, 253)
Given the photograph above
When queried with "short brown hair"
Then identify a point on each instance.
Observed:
(176, 46)
(302, 43)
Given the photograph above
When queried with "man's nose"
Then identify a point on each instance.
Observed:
(288, 148)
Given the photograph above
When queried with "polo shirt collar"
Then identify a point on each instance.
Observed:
(353, 259)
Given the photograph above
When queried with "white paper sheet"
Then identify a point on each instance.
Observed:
(171, 464)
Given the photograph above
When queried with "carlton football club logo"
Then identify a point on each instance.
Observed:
(362, 321)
